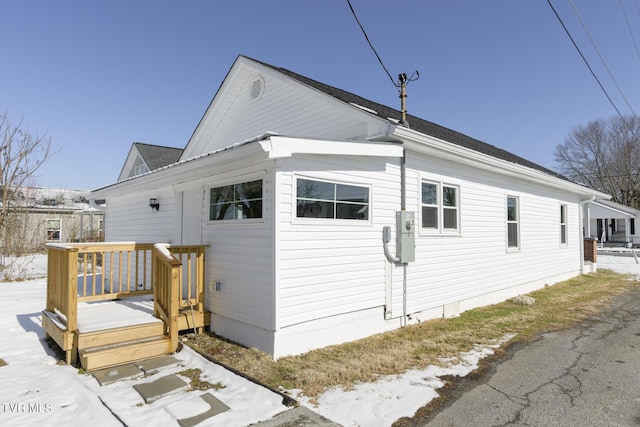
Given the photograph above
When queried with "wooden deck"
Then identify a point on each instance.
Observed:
(113, 303)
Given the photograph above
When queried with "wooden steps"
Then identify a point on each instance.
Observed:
(119, 335)
(105, 356)
(97, 349)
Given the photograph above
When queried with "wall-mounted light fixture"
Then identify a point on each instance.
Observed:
(154, 204)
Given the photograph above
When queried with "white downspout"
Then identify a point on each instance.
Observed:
(386, 235)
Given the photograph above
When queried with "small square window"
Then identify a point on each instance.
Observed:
(53, 229)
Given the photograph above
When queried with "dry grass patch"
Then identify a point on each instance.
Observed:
(418, 346)
(197, 383)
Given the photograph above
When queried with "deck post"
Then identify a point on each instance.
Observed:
(174, 302)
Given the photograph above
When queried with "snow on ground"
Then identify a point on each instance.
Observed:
(37, 391)
(620, 260)
(392, 397)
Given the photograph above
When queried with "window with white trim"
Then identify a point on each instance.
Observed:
(440, 207)
(53, 229)
(563, 225)
(236, 202)
(513, 223)
(331, 200)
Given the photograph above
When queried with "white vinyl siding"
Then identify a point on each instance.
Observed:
(129, 217)
(240, 254)
(441, 272)
(333, 267)
(286, 108)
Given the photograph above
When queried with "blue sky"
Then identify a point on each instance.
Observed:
(96, 76)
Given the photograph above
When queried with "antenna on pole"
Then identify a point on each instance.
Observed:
(403, 81)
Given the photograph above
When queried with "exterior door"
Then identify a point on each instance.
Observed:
(191, 205)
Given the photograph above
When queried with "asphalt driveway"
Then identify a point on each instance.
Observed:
(585, 376)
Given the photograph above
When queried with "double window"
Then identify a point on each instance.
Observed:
(322, 199)
(440, 207)
(236, 202)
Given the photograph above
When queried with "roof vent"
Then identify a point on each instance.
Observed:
(257, 88)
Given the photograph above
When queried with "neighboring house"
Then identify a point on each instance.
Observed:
(613, 224)
(52, 215)
(292, 183)
(143, 158)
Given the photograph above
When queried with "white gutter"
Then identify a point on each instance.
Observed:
(282, 146)
(438, 148)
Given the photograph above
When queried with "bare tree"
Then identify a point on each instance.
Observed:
(21, 155)
(605, 155)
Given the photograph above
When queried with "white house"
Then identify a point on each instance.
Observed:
(613, 224)
(292, 183)
(40, 215)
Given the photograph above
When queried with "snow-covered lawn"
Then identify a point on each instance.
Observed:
(37, 390)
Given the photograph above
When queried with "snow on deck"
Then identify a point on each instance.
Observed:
(97, 316)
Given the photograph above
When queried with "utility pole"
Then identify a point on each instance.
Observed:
(402, 82)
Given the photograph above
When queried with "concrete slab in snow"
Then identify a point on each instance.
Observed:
(204, 406)
(161, 387)
(118, 373)
(151, 366)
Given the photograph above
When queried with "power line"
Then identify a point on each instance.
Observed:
(587, 64)
(353, 12)
(626, 18)
(593, 43)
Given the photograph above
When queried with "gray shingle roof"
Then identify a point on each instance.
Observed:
(156, 156)
(415, 123)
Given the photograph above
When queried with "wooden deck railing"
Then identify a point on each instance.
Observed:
(82, 272)
(113, 270)
(62, 283)
(167, 272)
(192, 259)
